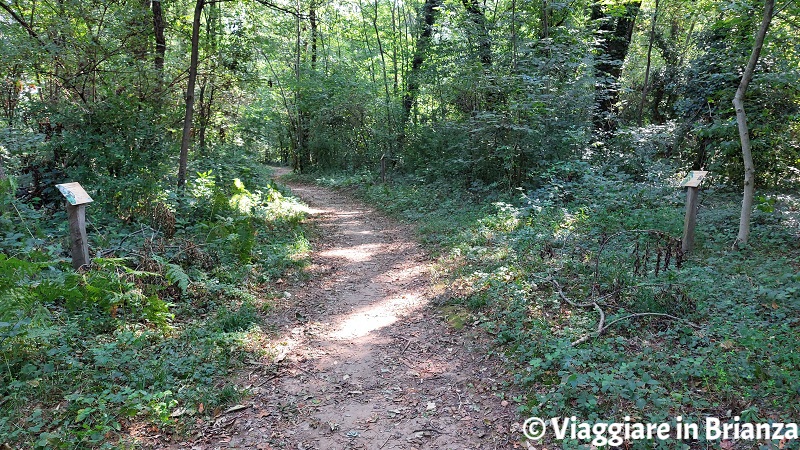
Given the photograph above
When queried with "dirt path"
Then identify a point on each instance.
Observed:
(365, 362)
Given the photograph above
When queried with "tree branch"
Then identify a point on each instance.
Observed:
(271, 5)
(601, 325)
(20, 20)
(601, 330)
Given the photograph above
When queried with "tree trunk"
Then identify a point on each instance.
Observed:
(394, 44)
(187, 121)
(389, 118)
(647, 69)
(741, 122)
(371, 69)
(302, 152)
(205, 112)
(201, 117)
(615, 32)
(514, 45)
(478, 19)
(312, 19)
(428, 16)
(161, 42)
(545, 32)
(383, 57)
(140, 50)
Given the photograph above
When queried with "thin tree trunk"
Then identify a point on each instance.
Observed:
(312, 18)
(614, 33)
(478, 19)
(647, 69)
(187, 121)
(206, 102)
(741, 121)
(290, 112)
(545, 20)
(299, 160)
(405, 36)
(513, 35)
(201, 119)
(389, 120)
(429, 13)
(380, 50)
(161, 42)
(303, 162)
(207, 87)
(369, 47)
(395, 84)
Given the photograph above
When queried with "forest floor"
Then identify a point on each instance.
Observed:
(362, 358)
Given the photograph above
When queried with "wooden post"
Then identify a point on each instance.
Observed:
(692, 184)
(383, 168)
(79, 245)
(77, 199)
(690, 220)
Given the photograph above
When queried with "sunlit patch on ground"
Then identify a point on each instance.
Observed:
(375, 316)
(358, 253)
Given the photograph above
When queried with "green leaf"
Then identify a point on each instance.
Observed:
(83, 413)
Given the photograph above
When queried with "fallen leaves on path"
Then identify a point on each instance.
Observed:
(363, 360)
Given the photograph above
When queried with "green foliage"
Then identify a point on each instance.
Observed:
(710, 137)
(147, 333)
(233, 320)
(115, 149)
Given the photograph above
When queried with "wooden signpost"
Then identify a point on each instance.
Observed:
(77, 199)
(692, 184)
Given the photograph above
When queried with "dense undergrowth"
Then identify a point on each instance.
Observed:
(711, 333)
(145, 340)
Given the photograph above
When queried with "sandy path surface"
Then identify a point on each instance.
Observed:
(364, 362)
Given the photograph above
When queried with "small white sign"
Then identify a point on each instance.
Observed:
(694, 178)
(74, 193)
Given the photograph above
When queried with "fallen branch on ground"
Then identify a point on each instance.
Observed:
(600, 331)
(601, 325)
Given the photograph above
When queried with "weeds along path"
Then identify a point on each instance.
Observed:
(363, 361)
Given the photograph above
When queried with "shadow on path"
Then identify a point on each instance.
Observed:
(364, 362)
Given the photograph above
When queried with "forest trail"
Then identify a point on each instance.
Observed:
(364, 361)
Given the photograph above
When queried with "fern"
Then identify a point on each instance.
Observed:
(175, 274)
(15, 301)
(152, 308)
(140, 273)
(15, 272)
